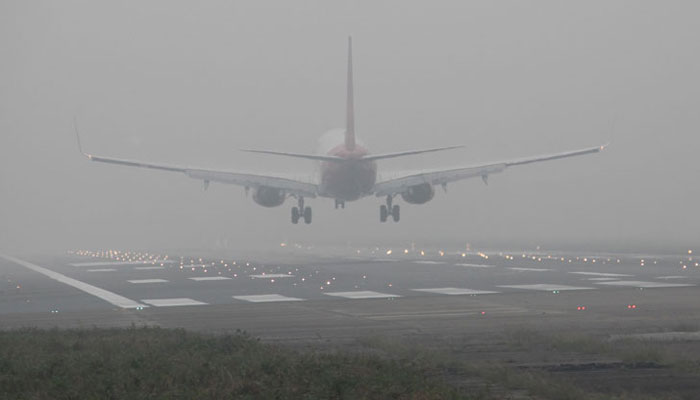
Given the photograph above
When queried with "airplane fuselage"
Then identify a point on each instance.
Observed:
(350, 180)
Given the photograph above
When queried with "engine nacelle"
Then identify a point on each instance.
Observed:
(269, 197)
(419, 194)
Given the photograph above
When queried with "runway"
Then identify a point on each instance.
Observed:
(299, 294)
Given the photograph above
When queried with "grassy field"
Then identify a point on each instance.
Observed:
(153, 363)
(156, 363)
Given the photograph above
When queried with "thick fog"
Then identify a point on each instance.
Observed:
(190, 83)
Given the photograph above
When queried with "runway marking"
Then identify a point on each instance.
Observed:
(444, 314)
(546, 287)
(453, 291)
(263, 276)
(361, 294)
(428, 262)
(671, 277)
(101, 270)
(603, 279)
(148, 281)
(195, 266)
(176, 302)
(110, 263)
(147, 268)
(606, 274)
(266, 298)
(529, 269)
(642, 284)
(476, 265)
(210, 278)
(112, 298)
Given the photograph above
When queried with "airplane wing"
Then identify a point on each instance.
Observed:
(443, 177)
(289, 185)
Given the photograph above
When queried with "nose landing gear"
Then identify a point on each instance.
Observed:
(301, 212)
(389, 209)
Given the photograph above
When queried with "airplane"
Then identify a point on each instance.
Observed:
(348, 171)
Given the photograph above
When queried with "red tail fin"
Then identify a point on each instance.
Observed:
(350, 110)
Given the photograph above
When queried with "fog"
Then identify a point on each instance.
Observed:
(190, 83)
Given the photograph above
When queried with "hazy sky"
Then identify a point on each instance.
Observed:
(187, 82)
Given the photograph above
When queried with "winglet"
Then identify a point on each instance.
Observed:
(77, 137)
(350, 107)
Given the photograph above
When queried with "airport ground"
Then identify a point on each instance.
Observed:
(501, 324)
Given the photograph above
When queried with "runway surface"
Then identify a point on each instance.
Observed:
(301, 294)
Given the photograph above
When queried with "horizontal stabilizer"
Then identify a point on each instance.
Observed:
(373, 157)
(315, 157)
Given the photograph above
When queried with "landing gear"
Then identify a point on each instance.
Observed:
(389, 209)
(339, 204)
(301, 212)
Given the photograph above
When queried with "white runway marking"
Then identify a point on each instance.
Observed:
(147, 268)
(476, 265)
(195, 266)
(101, 270)
(453, 291)
(603, 279)
(607, 274)
(210, 278)
(272, 276)
(112, 298)
(148, 281)
(266, 298)
(109, 263)
(429, 262)
(642, 284)
(529, 269)
(362, 294)
(546, 287)
(177, 302)
(671, 277)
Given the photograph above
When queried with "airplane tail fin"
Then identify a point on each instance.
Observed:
(350, 110)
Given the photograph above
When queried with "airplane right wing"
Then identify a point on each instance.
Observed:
(443, 177)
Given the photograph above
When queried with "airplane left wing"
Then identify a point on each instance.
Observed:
(443, 177)
(290, 186)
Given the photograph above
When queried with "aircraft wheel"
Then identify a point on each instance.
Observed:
(307, 215)
(396, 213)
(383, 213)
(295, 215)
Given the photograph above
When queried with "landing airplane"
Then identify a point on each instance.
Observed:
(348, 171)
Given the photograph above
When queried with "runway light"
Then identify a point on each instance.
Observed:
(483, 313)
(581, 308)
(555, 291)
(631, 306)
(388, 252)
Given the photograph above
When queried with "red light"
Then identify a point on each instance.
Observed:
(581, 308)
(483, 313)
(631, 306)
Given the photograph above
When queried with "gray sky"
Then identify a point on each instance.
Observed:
(190, 82)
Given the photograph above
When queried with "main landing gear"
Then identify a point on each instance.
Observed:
(339, 204)
(301, 212)
(388, 209)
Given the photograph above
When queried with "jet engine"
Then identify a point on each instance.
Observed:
(269, 197)
(419, 194)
